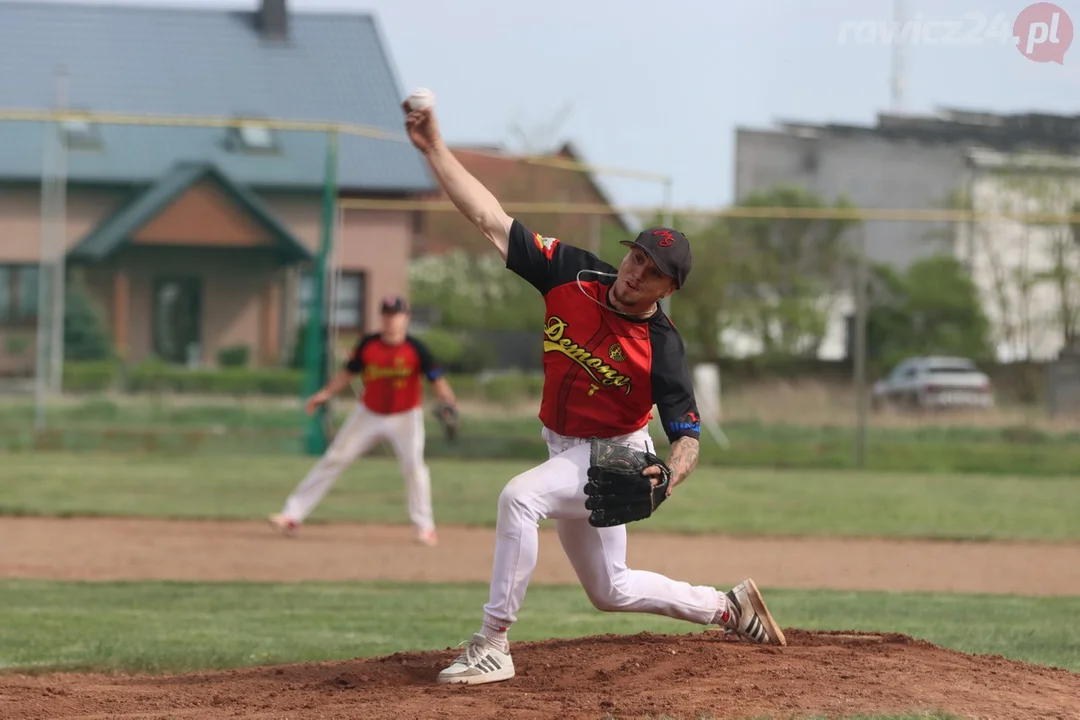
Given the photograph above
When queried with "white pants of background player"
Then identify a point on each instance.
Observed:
(362, 429)
(556, 489)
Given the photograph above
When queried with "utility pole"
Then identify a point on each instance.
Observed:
(669, 219)
(860, 352)
(56, 365)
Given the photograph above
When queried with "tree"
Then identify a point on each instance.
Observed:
(931, 309)
(85, 336)
(475, 292)
(1028, 271)
(1051, 246)
(700, 308)
(789, 270)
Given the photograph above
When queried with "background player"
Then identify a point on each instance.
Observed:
(391, 364)
(610, 354)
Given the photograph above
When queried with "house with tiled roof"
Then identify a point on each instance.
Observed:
(193, 239)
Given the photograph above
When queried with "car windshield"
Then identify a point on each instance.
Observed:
(942, 369)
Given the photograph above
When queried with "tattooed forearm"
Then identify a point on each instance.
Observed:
(683, 460)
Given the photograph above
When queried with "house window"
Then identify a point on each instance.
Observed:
(350, 308)
(252, 138)
(79, 134)
(18, 294)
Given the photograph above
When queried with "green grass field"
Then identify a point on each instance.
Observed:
(164, 627)
(160, 627)
(185, 426)
(713, 500)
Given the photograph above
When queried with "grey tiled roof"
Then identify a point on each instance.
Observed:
(152, 60)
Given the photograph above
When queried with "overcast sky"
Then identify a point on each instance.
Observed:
(660, 85)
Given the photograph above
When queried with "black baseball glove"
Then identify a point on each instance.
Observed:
(450, 419)
(618, 491)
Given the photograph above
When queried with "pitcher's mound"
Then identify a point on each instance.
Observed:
(706, 675)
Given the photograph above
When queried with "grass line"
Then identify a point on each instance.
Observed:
(794, 503)
(164, 627)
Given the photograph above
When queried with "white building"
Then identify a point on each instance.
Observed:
(1028, 273)
(925, 163)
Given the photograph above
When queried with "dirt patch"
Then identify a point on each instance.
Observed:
(693, 676)
(116, 549)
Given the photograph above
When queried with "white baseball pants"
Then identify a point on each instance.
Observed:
(362, 429)
(556, 489)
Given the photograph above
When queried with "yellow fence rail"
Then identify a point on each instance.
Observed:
(112, 118)
(354, 129)
(865, 214)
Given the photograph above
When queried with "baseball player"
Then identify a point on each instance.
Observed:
(610, 355)
(391, 364)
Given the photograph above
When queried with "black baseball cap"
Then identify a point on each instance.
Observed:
(392, 304)
(668, 249)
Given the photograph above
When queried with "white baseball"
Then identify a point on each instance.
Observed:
(421, 99)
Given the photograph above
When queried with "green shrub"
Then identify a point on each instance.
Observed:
(446, 346)
(90, 377)
(296, 358)
(476, 354)
(512, 388)
(234, 357)
(18, 343)
(155, 376)
(85, 334)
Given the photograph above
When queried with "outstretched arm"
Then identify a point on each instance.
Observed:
(673, 388)
(443, 391)
(339, 382)
(468, 194)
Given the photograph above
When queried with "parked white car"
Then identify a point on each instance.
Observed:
(934, 382)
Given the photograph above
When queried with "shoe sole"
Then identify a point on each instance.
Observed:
(491, 677)
(286, 530)
(771, 628)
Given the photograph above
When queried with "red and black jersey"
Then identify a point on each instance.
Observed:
(603, 371)
(391, 373)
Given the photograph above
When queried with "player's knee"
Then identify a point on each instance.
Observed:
(335, 460)
(514, 500)
(412, 469)
(611, 598)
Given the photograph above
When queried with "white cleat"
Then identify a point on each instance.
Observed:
(427, 537)
(284, 525)
(479, 664)
(751, 619)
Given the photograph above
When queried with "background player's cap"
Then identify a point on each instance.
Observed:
(394, 304)
(669, 250)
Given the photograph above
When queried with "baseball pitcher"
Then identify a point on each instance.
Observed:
(391, 364)
(610, 355)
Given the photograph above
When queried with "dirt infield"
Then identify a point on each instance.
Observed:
(115, 549)
(700, 675)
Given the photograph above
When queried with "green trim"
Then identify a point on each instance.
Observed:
(116, 231)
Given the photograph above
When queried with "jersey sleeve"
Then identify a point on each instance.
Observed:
(355, 361)
(673, 386)
(547, 262)
(429, 366)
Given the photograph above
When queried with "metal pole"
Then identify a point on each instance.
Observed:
(668, 219)
(860, 352)
(56, 379)
(316, 340)
(595, 234)
(45, 276)
(334, 272)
